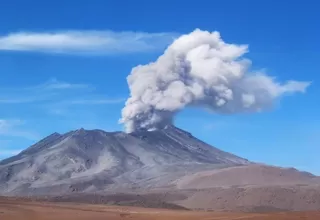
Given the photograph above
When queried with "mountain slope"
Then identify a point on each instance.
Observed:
(252, 175)
(167, 166)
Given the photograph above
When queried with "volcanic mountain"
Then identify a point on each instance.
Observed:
(169, 161)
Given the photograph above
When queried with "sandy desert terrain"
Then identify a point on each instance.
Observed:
(14, 209)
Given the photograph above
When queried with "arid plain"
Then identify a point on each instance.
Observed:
(19, 209)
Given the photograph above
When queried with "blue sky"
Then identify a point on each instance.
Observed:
(79, 78)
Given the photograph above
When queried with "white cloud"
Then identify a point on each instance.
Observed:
(53, 84)
(57, 97)
(8, 153)
(54, 91)
(13, 128)
(86, 42)
(16, 100)
(70, 106)
(97, 101)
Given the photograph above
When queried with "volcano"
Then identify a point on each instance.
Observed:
(84, 164)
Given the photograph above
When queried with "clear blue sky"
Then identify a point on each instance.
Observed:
(46, 85)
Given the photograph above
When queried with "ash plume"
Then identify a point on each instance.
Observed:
(199, 69)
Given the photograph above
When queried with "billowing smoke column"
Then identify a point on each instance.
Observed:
(198, 69)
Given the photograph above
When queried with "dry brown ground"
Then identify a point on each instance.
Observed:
(13, 209)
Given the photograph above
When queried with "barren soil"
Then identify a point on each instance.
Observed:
(18, 209)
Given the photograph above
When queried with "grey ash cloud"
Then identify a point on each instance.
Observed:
(199, 69)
